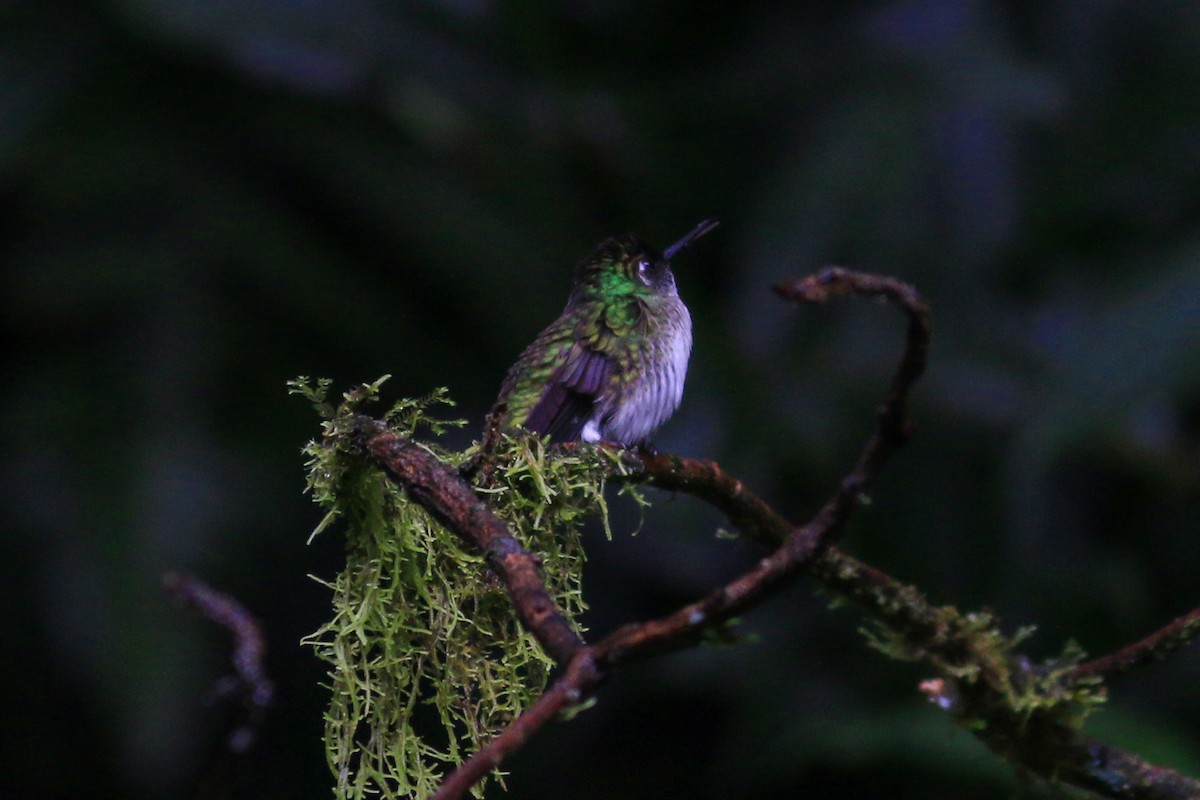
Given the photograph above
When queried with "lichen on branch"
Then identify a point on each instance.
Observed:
(427, 659)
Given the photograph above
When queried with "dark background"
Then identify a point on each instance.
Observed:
(200, 199)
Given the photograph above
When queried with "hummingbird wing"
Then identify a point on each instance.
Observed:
(570, 396)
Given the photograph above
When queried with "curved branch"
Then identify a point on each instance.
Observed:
(249, 682)
(796, 547)
(894, 429)
(957, 644)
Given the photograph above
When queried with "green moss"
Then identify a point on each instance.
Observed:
(1010, 702)
(427, 659)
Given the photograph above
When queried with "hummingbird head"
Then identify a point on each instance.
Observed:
(626, 265)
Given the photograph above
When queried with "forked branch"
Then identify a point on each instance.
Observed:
(1038, 736)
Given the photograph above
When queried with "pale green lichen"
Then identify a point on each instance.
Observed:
(427, 659)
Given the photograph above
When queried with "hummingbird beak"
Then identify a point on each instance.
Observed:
(696, 233)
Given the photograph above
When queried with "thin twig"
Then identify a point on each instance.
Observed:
(1154, 647)
(250, 681)
(893, 424)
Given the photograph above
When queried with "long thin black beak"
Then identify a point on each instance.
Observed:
(697, 232)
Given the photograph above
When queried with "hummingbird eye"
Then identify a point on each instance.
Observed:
(642, 268)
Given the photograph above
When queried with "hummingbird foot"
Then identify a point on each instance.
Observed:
(645, 449)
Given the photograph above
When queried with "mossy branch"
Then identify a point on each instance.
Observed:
(449, 499)
(1029, 714)
(429, 655)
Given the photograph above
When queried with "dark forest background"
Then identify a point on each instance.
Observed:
(200, 199)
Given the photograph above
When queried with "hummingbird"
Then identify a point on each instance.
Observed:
(611, 367)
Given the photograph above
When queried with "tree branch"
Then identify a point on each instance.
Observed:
(249, 681)
(581, 677)
(797, 546)
(1110, 772)
(441, 491)
(1154, 647)
(983, 683)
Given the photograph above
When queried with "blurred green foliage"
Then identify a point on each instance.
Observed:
(200, 199)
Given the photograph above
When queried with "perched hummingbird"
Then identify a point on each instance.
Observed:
(611, 367)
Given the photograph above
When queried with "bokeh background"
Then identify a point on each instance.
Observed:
(200, 199)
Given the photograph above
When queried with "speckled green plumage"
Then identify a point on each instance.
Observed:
(612, 365)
